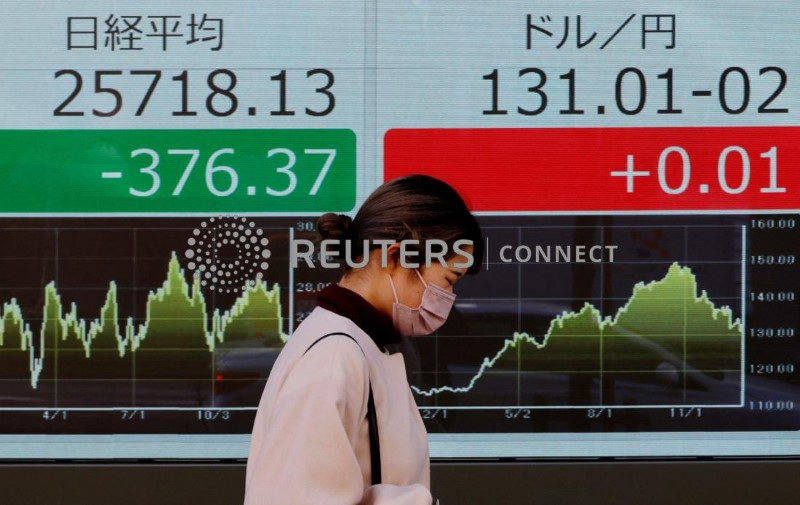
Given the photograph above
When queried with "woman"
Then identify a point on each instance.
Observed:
(312, 440)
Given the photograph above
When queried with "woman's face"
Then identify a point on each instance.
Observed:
(409, 287)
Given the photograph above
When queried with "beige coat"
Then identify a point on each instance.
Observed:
(310, 440)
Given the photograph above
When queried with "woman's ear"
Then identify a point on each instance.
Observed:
(393, 257)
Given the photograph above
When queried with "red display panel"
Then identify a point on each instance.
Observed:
(606, 169)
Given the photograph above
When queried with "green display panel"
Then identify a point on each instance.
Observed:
(111, 171)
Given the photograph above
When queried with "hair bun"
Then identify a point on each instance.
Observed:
(334, 226)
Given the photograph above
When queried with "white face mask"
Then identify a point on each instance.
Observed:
(429, 316)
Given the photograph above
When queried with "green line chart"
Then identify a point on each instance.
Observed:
(177, 319)
(668, 328)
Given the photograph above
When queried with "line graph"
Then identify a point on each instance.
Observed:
(660, 326)
(173, 311)
(580, 334)
(104, 315)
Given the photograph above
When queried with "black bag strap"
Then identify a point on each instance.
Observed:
(372, 420)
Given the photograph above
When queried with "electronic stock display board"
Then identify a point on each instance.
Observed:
(634, 166)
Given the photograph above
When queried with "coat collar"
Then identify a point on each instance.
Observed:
(353, 306)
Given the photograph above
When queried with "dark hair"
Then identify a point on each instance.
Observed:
(418, 207)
